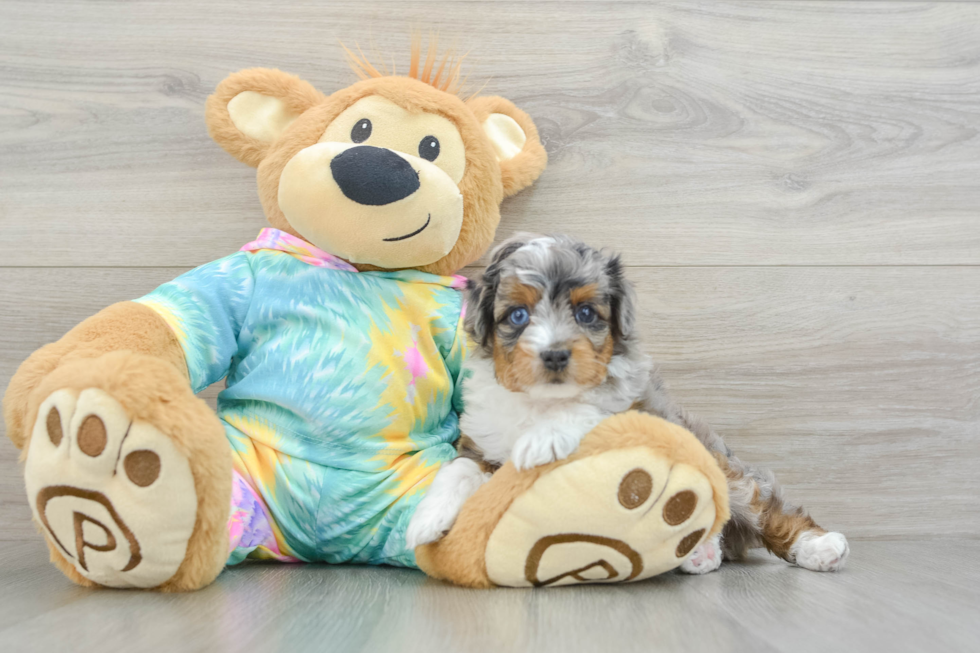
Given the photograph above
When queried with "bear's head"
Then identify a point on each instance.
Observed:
(390, 173)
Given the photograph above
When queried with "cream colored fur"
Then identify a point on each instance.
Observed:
(152, 391)
(461, 556)
(485, 181)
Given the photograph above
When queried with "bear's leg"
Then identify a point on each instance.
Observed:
(128, 475)
(635, 500)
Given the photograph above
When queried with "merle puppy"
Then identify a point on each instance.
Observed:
(553, 352)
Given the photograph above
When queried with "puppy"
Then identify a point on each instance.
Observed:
(553, 352)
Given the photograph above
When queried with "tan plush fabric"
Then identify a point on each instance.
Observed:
(401, 130)
(505, 135)
(260, 117)
(485, 182)
(112, 491)
(296, 95)
(480, 186)
(534, 505)
(540, 540)
(357, 232)
(521, 170)
(124, 326)
(264, 118)
(128, 351)
(153, 391)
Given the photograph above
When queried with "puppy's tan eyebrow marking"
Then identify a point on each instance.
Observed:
(522, 294)
(584, 293)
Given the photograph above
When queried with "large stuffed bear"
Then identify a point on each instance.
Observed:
(338, 332)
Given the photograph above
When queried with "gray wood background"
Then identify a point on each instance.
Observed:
(794, 185)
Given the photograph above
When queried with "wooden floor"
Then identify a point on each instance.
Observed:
(795, 186)
(894, 596)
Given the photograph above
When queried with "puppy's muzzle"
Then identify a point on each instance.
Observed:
(556, 360)
(374, 176)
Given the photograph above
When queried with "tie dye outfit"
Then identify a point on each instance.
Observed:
(342, 393)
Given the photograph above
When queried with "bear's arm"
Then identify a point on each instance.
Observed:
(205, 309)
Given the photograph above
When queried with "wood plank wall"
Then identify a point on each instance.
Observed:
(795, 187)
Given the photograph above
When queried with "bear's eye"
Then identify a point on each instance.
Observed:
(429, 148)
(361, 131)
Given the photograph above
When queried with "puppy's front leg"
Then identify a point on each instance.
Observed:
(454, 483)
(554, 439)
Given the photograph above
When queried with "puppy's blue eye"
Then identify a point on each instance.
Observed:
(519, 317)
(585, 314)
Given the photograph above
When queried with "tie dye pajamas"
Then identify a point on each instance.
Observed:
(342, 393)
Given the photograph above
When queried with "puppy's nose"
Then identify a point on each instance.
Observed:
(374, 176)
(556, 359)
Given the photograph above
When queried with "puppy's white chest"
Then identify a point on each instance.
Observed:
(496, 418)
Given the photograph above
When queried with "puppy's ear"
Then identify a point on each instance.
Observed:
(515, 141)
(483, 294)
(250, 109)
(622, 300)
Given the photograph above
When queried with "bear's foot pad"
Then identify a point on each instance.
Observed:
(646, 515)
(113, 495)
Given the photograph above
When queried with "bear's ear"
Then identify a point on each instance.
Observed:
(250, 109)
(515, 140)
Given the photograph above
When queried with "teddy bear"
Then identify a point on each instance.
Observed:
(338, 332)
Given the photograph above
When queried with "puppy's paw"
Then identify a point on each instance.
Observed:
(536, 448)
(437, 512)
(430, 523)
(706, 558)
(821, 552)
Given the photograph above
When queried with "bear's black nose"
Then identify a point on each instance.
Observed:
(373, 175)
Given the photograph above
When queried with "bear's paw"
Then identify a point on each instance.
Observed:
(114, 495)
